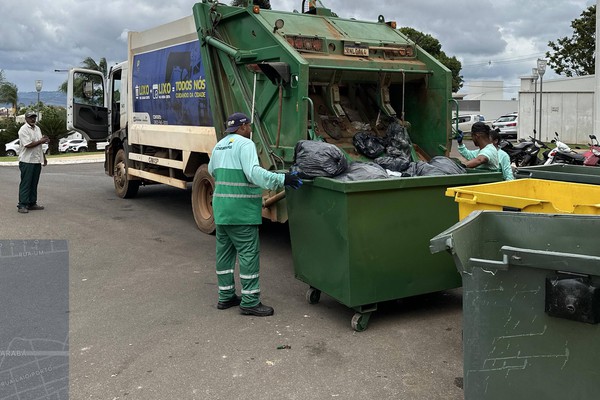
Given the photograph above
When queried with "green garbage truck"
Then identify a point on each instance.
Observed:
(302, 75)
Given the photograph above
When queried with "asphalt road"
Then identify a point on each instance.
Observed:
(144, 322)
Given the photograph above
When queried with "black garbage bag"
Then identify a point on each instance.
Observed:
(368, 145)
(436, 166)
(397, 164)
(360, 171)
(447, 165)
(313, 158)
(399, 143)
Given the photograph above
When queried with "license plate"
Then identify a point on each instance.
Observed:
(356, 50)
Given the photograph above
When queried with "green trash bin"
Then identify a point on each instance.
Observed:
(561, 172)
(531, 304)
(366, 242)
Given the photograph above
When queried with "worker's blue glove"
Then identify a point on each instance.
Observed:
(292, 180)
(459, 137)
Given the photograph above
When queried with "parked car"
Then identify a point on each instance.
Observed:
(13, 148)
(73, 145)
(465, 122)
(507, 125)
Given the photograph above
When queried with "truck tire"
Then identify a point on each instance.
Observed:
(202, 192)
(124, 188)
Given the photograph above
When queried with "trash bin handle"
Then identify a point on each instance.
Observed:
(490, 264)
(552, 260)
(549, 260)
(468, 198)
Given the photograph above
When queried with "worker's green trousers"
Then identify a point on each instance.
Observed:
(241, 241)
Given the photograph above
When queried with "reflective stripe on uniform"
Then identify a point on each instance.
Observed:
(226, 287)
(248, 276)
(236, 184)
(224, 272)
(239, 196)
(250, 291)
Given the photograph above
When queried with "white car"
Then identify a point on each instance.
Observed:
(74, 145)
(465, 122)
(507, 124)
(13, 148)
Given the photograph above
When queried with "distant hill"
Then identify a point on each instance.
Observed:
(49, 98)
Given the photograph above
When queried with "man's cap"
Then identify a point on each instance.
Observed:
(235, 120)
(480, 127)
(30, 114)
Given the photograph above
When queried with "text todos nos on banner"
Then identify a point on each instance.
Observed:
(166, 88)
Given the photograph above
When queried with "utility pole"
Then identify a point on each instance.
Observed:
(38, 88)
(541, 67)
(534, 72)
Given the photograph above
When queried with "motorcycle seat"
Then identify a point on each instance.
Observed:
(521, 145)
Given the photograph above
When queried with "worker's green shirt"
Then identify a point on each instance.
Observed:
(239, 180)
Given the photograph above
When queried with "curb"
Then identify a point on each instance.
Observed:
(63, 161)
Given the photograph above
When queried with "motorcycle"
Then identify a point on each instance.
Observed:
(562, 154)
(524, 153)
(592, 156)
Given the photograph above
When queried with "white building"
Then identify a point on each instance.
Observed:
(485, 98)
(567, 108)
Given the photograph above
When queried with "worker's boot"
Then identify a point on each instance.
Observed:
(234, 301)
(259, 310)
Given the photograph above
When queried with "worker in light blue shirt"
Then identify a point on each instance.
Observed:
(503, 157)
(486, 157)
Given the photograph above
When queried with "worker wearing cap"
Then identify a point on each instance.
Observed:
(237, 208)
(31, 159)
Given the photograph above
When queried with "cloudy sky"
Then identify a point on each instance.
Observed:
(494, 40)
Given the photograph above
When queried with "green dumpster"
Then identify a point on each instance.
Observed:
(531, 304)
(561, 172)
(366, 242)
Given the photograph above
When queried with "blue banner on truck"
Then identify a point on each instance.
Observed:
(170, 86)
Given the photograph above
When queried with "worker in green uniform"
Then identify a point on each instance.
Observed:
(237, 208)
(486, 157)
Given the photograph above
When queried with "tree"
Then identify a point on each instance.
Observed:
(575, 55)
(434, 47)
(89, 63)
(53, 125)
(9, 94)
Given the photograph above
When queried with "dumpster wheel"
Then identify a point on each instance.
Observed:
(360, 321)
(313, 295)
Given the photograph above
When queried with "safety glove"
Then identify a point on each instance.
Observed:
(459, 137)
(292, 180)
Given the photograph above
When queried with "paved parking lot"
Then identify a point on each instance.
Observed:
(144, 322)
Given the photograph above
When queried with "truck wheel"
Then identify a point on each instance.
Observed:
(124, 188)
(202, 192)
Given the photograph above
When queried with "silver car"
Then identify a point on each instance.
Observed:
(507, 125)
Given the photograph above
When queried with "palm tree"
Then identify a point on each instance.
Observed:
(9, 94)
(89, 63)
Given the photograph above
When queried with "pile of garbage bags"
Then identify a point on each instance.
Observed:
(319, 159)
